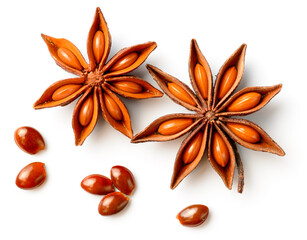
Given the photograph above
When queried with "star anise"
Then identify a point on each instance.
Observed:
(97, 81)
(211, 126)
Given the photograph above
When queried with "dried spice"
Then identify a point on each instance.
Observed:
(123, 179)
(112, 203)
(29, 140)
(193, 216)
(98, 81)
(211, 126)
(31, 176)
(97, 184)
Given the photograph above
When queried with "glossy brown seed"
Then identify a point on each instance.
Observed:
(69, 58)
(97, 184)
(245, 102)
(193, 216)
(31, 176)
(219, 150)
(227, 81)
(112, 203)
(86, 111)
(244, 132)
(98, 46)
(123, 179)
(65, 91)
(128, 86)
(112, 107)
(201, 80)
(192, 149)
(125, 62)
(174, 126)
(180, 93)
(29, 140)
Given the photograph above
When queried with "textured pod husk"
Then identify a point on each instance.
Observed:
(46, 100)
(163, 78)
(55, 43)
(148, 90)
(150, 133)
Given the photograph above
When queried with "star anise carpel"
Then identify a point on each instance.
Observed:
(212, 126)
(98, 81)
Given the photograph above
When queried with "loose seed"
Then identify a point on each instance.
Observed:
(29, 140)
(97, 184)
(174, 126)
(112, 107)
(193, 216)
(180, 93)
(220, 150)
(191, 150)
(227, 81)
(98, 45)
(86, 111)
(245, 102)
(112, 203)
(201, 80)
(127, 86)
(123, 179)
(65, 91)
(31, 176)
(69, 58)
(125, 62)
(244, 132)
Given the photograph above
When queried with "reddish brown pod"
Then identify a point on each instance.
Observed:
(29, 140)
(193, 216)
(112, 203)
(123, 179)
(31, 176)
(97, 184)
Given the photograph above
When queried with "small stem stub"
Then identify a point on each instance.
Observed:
(239, 168)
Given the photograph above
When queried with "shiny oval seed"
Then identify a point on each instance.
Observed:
(193, 216)
(98, 45)
(65, 91)
(112, 107)
(29, 140)
(201, 80)
(31, 176)
(244, 132)
(123, 179)
(97, 184)
(227, 81)
(112, 203)
(219, 150)
(191, 150)
(127, 86)
(180, 93)
(174, 126)
(245, 102)
(125, 62)
(69, 58)
(86, 111)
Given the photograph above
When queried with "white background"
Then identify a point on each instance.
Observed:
(273, 204)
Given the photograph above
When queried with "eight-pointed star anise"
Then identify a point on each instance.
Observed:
(97, 80)
(211, 126)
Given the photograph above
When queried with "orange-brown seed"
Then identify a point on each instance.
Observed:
(70, 59)
(98, 46)
(201, 80)
(191, 150)
(127, 86)
(174, 126)
(180, 93)
(125, 62)
(227, 81)
(86, 111)
(112, 107)
(65, 91)
(244, 132)
(245, 102)
(219, 150)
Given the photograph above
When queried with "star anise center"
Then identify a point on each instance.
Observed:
(94, 78)
(210, 115)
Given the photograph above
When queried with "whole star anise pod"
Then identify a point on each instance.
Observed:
(97, 81)
(211, 126)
